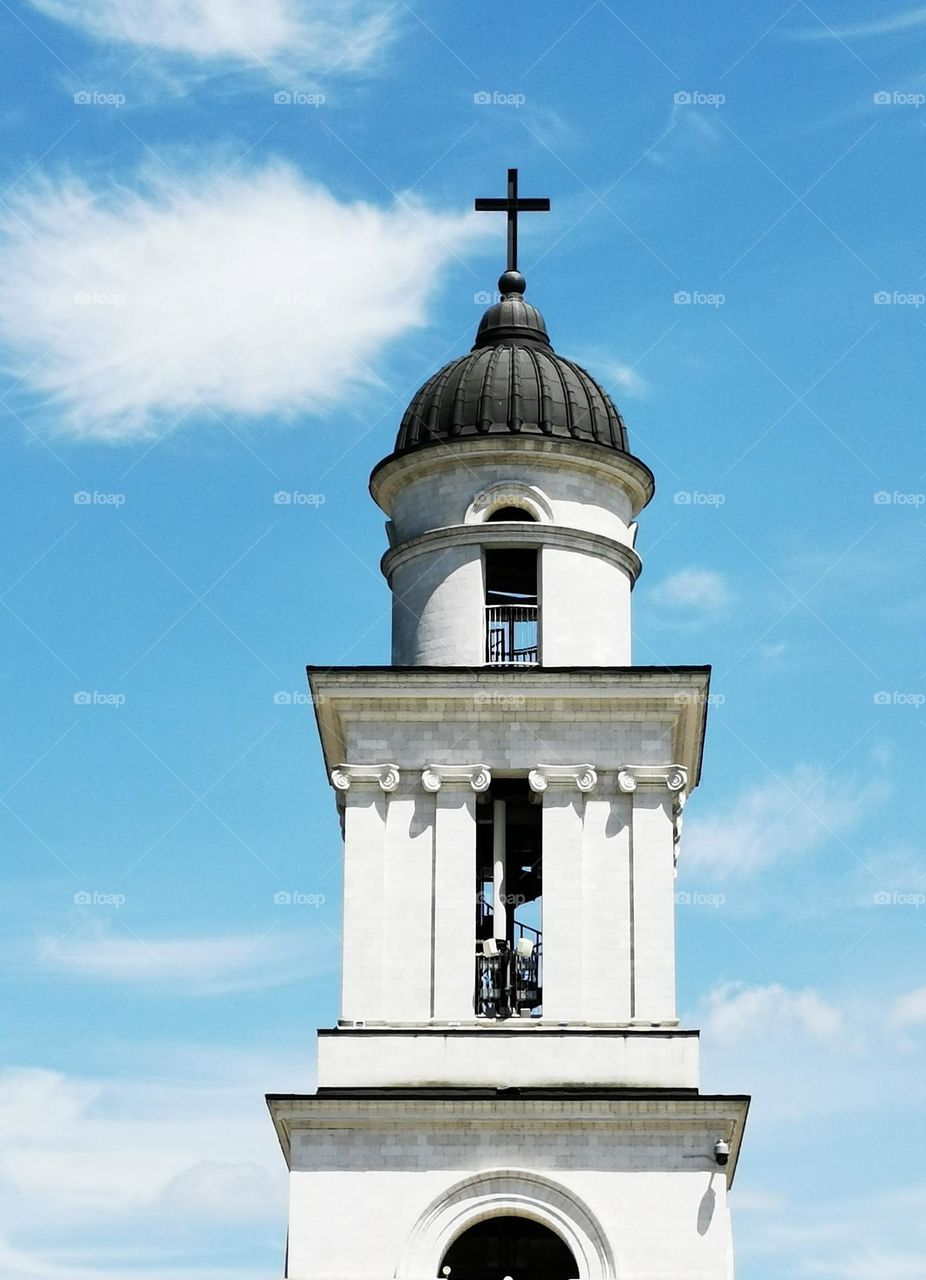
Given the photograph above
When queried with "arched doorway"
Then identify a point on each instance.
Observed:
(508, 1247)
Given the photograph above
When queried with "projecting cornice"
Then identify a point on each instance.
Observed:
(435, 775)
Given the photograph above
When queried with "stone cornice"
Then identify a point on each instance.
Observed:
(476, 775)
(528, 534)
(632, 474)
(673, 776)
(582, 776)
(386, 776)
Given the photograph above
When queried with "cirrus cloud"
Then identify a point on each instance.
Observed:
(303, 34)
(249, 293)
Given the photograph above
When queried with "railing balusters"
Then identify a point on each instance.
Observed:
(512, 634)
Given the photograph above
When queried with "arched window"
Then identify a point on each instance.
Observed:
(510, 513)
(508, 1246)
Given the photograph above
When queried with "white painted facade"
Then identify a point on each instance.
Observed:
(583, 501)
(584, 1116)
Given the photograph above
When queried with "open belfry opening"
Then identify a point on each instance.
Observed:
(508, 1091)
(509, 908)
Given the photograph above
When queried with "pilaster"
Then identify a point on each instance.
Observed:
(564, 788)
(453, 925)
(655, 793)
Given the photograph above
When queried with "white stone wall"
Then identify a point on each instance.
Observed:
(608, 896)
(585, 578)
(438, 609)
(584, 608)
(358, 1196)
(579, 496)
(520, 1053)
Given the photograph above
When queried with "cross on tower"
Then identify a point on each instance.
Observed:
(513, 205)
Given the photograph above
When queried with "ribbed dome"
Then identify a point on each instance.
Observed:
(512, 382)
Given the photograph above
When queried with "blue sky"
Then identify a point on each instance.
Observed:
(232, 243)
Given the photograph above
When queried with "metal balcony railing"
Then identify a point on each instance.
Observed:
(509, 980)
(511, 634)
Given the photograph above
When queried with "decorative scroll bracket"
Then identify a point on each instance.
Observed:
(673, 776)
(583, 776)
(476, 775)
(386, 775)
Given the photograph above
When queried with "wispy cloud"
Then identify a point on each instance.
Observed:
(909, 1010)
(735, 1012)
(693, 591)
(896, 24)
(777, 819)
(195, 966)
(251, 293)
(305, 34)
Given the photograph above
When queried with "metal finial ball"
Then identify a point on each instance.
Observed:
(511, 282)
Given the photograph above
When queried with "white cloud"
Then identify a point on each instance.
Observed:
(194, 966)
(252, 293)
(738, 1013)
(693, 590)
(775, 820)
(909, 1010)
(222, 1190)
(307, 34)
(875, 1264)
(614, 373)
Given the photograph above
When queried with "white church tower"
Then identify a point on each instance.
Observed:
(508, 1092)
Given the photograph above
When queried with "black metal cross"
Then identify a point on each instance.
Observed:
(513, 205)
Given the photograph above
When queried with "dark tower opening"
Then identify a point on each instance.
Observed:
(508, 1246)
(511, 605)
(509, 903)
(510, 513)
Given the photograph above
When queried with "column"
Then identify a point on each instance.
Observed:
(453, 956)
(564, 788)
(365, 788)
(655, 792)
(606, 898)
(407, 901)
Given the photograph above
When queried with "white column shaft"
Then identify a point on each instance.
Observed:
(653, 905)
(563, 924)
(364, 853)
(454, 955)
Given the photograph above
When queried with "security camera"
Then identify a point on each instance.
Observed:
(721, 1151)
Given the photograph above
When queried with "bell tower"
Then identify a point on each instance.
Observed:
(508, 1092)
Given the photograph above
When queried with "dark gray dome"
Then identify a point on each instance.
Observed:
(512, 382)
